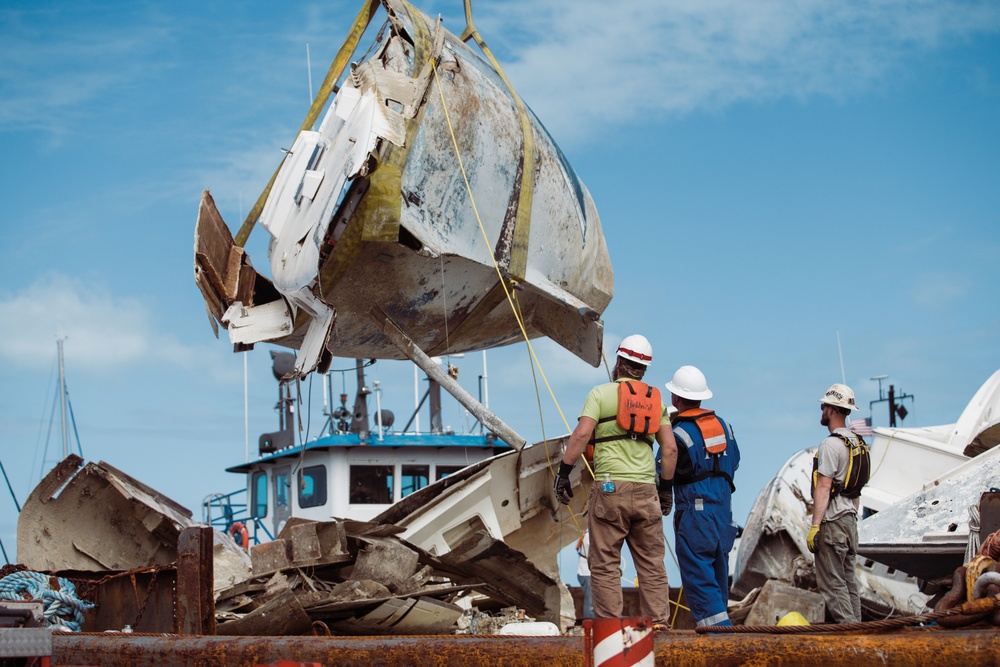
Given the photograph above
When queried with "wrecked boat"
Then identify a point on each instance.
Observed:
(895, 546)
(365, 530)
(429, 199)
(437, 490)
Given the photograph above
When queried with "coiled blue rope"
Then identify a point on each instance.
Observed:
(60, 607)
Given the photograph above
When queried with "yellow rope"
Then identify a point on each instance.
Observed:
(507, 290)
(885, 453)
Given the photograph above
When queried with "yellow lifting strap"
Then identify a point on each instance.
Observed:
(332, 76)
(526, 176)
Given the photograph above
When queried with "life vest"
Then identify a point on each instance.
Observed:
(859, 464)
(713, 434)
(639, 413)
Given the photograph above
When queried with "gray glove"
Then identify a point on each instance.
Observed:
(666, 496)
(563, 488)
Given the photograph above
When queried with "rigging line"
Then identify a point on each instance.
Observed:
(531, 350)
(48, 435)
(10, 488)
(41, 421)
(72, 420)
(496, 266)
(885, 453)
(5, 559)
(309, 399)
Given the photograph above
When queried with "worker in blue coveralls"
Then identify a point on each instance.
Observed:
(707, 459)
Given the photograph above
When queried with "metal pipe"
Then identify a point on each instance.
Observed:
(410, 349)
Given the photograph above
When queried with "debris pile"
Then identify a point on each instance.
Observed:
(357, 578)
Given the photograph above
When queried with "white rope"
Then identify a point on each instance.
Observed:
(61, 607)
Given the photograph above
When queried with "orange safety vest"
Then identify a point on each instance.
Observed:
(713, 433)
(639, 413)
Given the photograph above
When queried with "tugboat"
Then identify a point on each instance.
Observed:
(355, 469)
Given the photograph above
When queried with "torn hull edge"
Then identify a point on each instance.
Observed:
(94, 517)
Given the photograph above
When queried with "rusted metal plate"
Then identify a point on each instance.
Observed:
(928, 647)
(142, 599)
(195, 607)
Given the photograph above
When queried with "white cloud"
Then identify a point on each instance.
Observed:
(590, 62)
(105, 333)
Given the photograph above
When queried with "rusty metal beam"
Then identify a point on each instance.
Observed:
(195, 607)
(924, 647)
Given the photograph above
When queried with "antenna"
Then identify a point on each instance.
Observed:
(895, 401)
(843, 377)
(310, 73)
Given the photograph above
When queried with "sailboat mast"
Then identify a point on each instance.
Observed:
(62, 399)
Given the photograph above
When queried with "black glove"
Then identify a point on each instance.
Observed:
(563, 488)
(666, 496)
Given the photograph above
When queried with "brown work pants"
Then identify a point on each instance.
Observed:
(629, 514)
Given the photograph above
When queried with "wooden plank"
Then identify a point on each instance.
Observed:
(212, 237)
(234, 275)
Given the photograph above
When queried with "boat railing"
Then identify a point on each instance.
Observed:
(222, 511)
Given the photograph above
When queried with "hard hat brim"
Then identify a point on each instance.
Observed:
(838, 405)
(690, 395)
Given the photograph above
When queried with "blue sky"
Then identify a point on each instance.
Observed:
(772, 177)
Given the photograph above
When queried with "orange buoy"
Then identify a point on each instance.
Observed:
(240, 532)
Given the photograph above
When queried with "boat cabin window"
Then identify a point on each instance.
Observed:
(281, 488)
(312, 486)
(444, 471)
(371, 485)
(258, 494)
(414, 478)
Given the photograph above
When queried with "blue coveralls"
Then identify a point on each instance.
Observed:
(703, 519)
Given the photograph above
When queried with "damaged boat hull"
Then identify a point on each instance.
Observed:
(431, 191)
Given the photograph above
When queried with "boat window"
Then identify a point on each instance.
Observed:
(413, 479)
(444, 471)
(258, 491)
(312, 486)
(371, 485)
(281, 489)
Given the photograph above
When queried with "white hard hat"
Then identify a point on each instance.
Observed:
(841, 396)
(636, 348)
(689, 382)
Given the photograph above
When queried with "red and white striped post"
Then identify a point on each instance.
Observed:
(618, 642)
